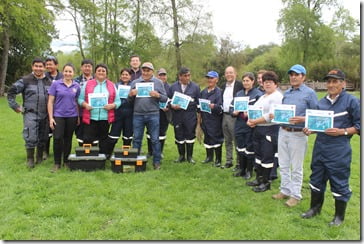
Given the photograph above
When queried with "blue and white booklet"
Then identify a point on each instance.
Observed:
(319, 120)
(144, 88)
(255, 112)
(241, 104)
(163, 105)
(181, 99)
(283, 112)
(204, 105)
(123, 91)
(97, 100)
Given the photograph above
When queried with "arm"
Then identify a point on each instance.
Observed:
(50, 104)
(16, 88)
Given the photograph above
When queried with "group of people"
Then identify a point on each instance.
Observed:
(55, 103)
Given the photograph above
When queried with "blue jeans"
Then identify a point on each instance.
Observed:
(152, 123)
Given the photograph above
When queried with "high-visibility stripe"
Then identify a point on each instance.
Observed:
(148, 136)
(240, 149)
(336, 194)
(248, 152)
(114, 137)
(258, 161)
(50, 134)
(95, 142)
(190, 141)
(180, 142)
(252, 100)
(314, 188)
(79, 140)
(162, 137)
(267, 166)
(340, 114)
(276, 155)
(212, 146)
(127, 138)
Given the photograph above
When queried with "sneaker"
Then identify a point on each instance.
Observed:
(157, 166)
(292, 202)
(279, 196)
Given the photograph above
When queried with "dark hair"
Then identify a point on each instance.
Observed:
(38, 60)
(52, 58)
(250, 75)
(262, 71)
(70, 65)
(127, 70)
(183, 70)
(87, 61)
(270, 75)
(134, 56)
(101, 65)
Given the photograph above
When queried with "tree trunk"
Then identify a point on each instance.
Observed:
(137, 24)
(177, 43)
(4, 60)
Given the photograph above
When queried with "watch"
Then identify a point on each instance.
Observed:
(345, 132)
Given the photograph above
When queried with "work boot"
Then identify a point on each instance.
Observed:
(110, 145)
(340, 207)
(46, 148)
(218, 156)
(150, 148)
(249, 168)
(40, 157)
(127, 142)
(181, 151)
(30, 157)
(240, 171)
(162, 146)
(209, 156)
(189, 153)
(258, 179)
(265, 184)
(317, 200)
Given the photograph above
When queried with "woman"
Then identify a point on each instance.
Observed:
(63, 114)
(97, 120)
(243, 133)
(123, 116)
(265, 134)
(211, 123)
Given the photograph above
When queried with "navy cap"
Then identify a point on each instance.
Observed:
(297, 68)
(212, 74)
(336, 74)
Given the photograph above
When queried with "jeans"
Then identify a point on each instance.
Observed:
(151, 121)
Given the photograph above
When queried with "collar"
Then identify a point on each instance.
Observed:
(333, 100)
(298, 88)
(230, 84)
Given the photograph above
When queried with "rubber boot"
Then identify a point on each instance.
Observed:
(181, 152)
(265, 184)
(218, 156)
(249, 168)
(127, 142)
(162, 146)
(30, 157)
(150, 148)
(340, 207)
(46, 148)
(111, 142)
(39, 158)
(209, 156)
(258, 178)
(189, 147)
(317, 200)
(242, 166)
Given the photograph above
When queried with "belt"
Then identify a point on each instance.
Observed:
(290, 129)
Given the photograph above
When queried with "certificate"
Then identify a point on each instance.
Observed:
(97, 100)
(163, 105)
(123, 91)
(204, 105)
(181, 99)
(319, 120)
(255, 112)
(283, 112)
(241, 104)
(144, 88)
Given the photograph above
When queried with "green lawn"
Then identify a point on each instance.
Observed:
(179, 202)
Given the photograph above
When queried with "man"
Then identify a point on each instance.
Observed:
(229, 90)
(331, 157)
(34, 89)
(146, 111)
(292, 143)
(260, 80)
(185, 121)
(86, 69)
(164, 116)
(135, 64)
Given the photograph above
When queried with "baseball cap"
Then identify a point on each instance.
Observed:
(335, 73)
(297, 68)
(162, 71)
(212, 74)
(147, 65)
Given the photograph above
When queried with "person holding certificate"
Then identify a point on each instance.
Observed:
(211, 121)
(99, 99)
(265, 134)
(292, 143)
(331, 156)
(147, 91)
(63, 115)
(185, 120)
(123, 115)
(243, 133)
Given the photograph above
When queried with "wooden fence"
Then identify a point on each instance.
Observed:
(320, 86)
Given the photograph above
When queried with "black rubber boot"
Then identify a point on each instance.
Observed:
(30, 157)
(181, 151)
(241, 170)
(110, 145)
(259, 177)
(189, 147)
(249, 168)
(317, 200)
(39, 157)
(340, 208)
(265, 184)
(218, 156)
(162, 146)
(150, 148)
(46, 148)
(209, 156)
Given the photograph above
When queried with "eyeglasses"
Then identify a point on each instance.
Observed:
(268, 82)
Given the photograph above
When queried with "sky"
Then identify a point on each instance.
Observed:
(250, 22)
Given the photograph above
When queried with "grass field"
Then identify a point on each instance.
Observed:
(179, 202)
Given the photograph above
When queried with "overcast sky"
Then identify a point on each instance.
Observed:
(252, 22)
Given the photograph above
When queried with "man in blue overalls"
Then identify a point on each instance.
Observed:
(331, 155)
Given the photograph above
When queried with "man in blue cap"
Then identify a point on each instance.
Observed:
(212, 121)
(292, 142)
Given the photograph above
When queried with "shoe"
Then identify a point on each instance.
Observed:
(236, 168)
(180, 159)
(237, 173)
(55, 168)
(162, 156)
(228, 165)
(292, 202)
(218, 164)
(262, 187)
(45, 155)
(247, 175)
(157, 166)
(253, 183)
(279, 196)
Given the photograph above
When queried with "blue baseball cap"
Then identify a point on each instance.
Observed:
(297, 68)
(212, 74)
